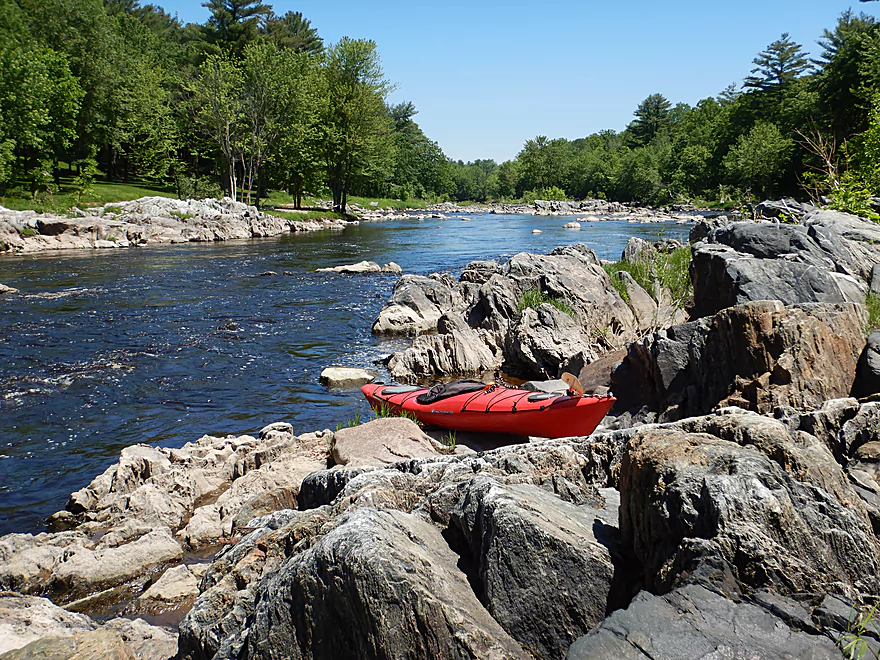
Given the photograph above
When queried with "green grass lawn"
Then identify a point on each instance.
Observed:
(308, 215)
(102, 193)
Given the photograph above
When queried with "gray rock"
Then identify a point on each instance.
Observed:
(379, 583)
(345, 377)
(644, 307)
(760, 356)
(730, 508)
(693, 622)
(7, 289)
(788, 208)
(479, 272)
(542, 340)
(868, 372)
(543, 567)
(637, 249)
(415, 306)
(723, 277)
(458, 349)
(875, 279)
(383, 441)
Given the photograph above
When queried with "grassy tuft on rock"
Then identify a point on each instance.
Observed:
(671, 270)
(534, 298)
(872, 304)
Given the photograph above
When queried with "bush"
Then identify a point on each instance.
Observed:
(872, 304)
(198, 187)
(27, 231)
(552, 193)
(534, 298)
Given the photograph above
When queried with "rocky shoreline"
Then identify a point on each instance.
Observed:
(729, 506)
(146, 221)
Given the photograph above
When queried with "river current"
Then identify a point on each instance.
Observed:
(161, 345)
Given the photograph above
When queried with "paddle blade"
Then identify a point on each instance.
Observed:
(573, 383)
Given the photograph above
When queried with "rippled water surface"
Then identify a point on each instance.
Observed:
(164, 344)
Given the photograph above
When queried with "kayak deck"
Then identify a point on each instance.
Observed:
(496, 409)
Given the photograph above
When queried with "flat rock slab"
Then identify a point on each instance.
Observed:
(362, 268)
(693, 622)
(175, 584)
(345, 377)
(381, 442)
(24, 619)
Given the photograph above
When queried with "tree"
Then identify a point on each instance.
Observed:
(293, 32)
(840, 81)
(542, 164)
(217, 97)
(781, 62)
(234, 23)
(652, 117)
(758, 158)
(356, 123)
(39, 103)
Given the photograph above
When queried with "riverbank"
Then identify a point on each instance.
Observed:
(729, 503)
(161, 220)
(147, 221)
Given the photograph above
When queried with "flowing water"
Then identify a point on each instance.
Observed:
(164, 344)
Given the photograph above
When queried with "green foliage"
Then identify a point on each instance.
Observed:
(670, 270)
(872, 305)
(854, 643)
(783, 61)
(27, 232)
(534, 298)
(197, 187)
(758, 158)
(181, 215)
(553, 193)
(652, 118)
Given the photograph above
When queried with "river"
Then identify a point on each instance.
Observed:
(163, 344)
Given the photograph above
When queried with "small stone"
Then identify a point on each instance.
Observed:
(537, 231)
(345, 377)
(175, 584)
(574, 224)
(7, 289)
(393, 268)
(268, 273)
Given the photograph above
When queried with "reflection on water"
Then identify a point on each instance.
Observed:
(164, 344)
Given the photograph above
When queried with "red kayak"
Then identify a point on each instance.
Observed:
(474, 406)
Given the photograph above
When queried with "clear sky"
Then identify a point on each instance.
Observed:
(486, 76)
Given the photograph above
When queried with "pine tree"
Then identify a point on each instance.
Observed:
(234, 23)
(293, 32)
(782, 61)
(652, 116)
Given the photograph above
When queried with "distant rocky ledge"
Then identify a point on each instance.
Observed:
(161, 220)
(146, 221)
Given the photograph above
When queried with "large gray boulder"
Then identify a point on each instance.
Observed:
(828, 257)
(694, 622)
(544, 568)
(758, 355)
(416, 306)
(731, 509)
(381, 442)
(723, 277)
(379, 584)
(457, 349)
(542, 340)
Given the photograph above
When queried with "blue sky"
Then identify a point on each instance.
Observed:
(486, 76)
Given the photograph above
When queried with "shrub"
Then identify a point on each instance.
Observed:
(872, 304)
(182, 215)
(671, 270)
(534, 298)
(27, 231)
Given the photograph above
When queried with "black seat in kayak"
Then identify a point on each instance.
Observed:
(447, 390)
(399, 389)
